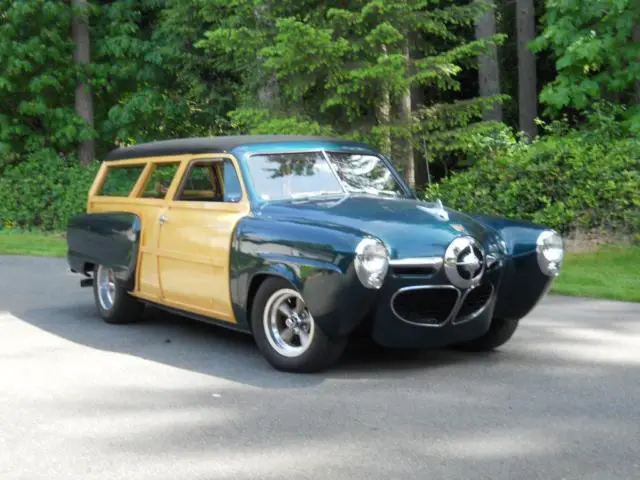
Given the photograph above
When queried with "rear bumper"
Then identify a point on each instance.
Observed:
(77, 263)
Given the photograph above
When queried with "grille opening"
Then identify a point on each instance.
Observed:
(428, 306)
(476, 300)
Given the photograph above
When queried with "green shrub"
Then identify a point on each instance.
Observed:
(44, 191)
(569, 182)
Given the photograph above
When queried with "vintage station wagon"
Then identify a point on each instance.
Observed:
(302, 242)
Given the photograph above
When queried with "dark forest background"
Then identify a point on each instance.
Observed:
(525, 108)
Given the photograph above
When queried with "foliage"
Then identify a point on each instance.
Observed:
(330, 66)
(348, 68)
(148, 79)
(37, 80)
(44, 191)
(451, 135)
(596, 54)
(569, 181)
(155, 83)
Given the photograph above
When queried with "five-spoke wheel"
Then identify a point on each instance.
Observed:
(106, 283)
(288, 323)
(113, 302)
(286, 333)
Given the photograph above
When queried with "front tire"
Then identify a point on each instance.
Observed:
(499, 333)
(113, 302)
(286, 333)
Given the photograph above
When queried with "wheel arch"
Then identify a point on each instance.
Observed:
(316, 260)
(258, 278)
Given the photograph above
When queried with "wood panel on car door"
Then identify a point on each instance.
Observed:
(195, 238)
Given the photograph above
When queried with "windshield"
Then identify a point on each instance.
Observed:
(296, 175)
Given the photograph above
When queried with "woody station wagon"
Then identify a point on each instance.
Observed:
(302, 242)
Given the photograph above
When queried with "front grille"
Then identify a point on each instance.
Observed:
(426, 306)
(475, 301)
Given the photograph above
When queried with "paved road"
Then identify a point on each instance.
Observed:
(173, 399)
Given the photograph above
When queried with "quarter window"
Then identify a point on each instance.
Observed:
(211, 181)
(159, 180)
(120, 180)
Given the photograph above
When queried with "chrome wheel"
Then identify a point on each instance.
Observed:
(106, 283)
(288, 325)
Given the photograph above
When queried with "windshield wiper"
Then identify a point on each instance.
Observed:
(319, 193)
(375, 192)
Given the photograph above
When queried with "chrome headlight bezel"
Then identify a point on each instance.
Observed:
(550, 252)
(464, 262)
(371, 262)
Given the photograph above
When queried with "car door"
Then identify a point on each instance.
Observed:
(194, 237)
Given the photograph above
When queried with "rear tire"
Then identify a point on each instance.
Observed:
(500, 332)
(114, 303)
(285, 332)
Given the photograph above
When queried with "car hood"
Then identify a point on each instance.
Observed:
(408, 227)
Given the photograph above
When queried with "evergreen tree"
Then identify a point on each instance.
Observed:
(37, 80)
(349, 67)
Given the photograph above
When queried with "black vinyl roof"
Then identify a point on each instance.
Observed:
(207, 145)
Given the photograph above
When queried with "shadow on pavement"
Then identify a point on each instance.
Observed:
(577, 341)
(184, 343)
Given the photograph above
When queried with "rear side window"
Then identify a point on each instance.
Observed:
(211, 181)
(120, 180)
(159, 180)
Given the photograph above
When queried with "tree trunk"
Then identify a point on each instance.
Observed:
(527, 88)
(383, 119)
(419, 156)
(635, 37)
(488, 69)
(417, 101)
(405, 148)
(81, 55)
(269, 90)
(269, 94)
(383, 114)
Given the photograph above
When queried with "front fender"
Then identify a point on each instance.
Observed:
(523, 284)
(317, 261)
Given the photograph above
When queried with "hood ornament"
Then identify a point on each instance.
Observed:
(437, 210)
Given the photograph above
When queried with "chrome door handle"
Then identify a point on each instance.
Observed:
(162, 219)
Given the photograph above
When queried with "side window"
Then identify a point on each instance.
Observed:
(231, 182)
(159, 180)
(211, 181)
(120, 180)
(200, 184)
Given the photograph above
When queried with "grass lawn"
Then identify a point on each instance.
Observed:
(14, 242)
(610, 272)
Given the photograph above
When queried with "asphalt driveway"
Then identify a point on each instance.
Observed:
(175, 399)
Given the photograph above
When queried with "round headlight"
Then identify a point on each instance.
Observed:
(371, 262)
(550, 250)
